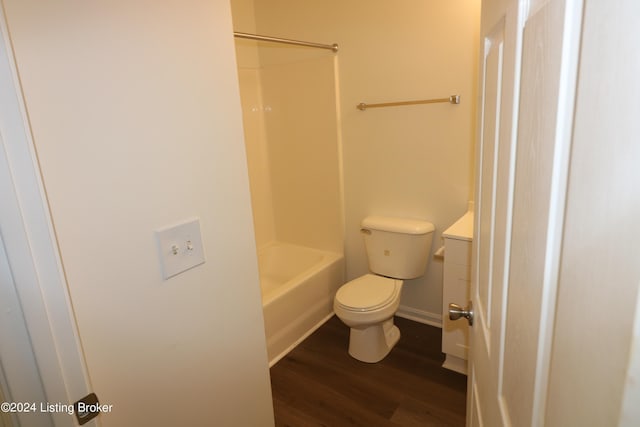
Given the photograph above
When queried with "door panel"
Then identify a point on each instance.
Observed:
(494, 145)
(527, 70)
(17, 362)
(492, 67)
(534, 163)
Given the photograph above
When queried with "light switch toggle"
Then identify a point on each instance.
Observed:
(180, 247)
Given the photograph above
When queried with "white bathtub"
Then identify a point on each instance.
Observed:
(298, 285)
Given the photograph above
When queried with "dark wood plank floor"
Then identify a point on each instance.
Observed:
(319, 384)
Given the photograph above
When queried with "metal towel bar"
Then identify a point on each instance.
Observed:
(453, 99)
(333, 47)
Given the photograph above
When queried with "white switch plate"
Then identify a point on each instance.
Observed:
(180, 247)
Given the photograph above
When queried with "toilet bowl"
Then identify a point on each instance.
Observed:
(367, 305)
(397, 249)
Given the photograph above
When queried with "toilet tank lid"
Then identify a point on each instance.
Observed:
(397, 225)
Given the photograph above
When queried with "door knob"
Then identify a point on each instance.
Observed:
(456, 312)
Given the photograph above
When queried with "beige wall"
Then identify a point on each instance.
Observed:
(135, 115)
(406, 161)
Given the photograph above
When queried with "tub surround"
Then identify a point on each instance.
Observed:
(289, 117)
(292, 141)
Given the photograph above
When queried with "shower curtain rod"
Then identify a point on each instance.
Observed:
(332, 47)
(453, 99)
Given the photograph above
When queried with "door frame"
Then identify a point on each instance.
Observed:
(32, 249)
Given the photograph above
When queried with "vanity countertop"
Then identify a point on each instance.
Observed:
(462, 229)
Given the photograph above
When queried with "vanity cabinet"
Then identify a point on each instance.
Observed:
(456, 289)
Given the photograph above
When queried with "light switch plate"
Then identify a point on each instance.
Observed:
(180, 247)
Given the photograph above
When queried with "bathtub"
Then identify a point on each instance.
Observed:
(298, 285)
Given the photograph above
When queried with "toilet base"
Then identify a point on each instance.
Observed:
(371, 344)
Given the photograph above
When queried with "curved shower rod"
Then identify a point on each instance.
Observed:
(332, 47)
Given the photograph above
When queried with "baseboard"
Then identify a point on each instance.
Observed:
(455, 364)
(420, 316)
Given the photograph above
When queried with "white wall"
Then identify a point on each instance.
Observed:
(135, 115)
(406, 161)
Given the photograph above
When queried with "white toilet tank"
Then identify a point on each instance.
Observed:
(397, 247)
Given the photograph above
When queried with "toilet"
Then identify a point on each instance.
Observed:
(397, 249)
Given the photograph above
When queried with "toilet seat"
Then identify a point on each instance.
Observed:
(367, 293)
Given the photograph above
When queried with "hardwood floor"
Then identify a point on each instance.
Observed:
(319, 384)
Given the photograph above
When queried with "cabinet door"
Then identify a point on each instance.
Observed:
(457, 272)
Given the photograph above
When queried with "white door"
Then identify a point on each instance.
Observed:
(20, 377)
(528, 79)
(40, 353)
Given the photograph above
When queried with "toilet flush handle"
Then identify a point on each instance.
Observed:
(365, 231)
